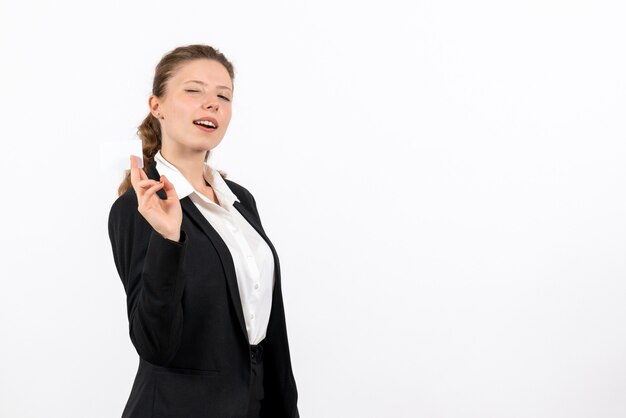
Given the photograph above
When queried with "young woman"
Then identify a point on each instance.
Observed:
(202, 279)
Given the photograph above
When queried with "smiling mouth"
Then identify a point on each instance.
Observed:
(205, 124)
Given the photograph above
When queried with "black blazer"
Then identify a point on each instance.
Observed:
(186, 320)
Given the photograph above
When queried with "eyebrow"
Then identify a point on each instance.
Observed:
(204, 84)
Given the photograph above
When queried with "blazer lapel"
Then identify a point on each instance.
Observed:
(224, 253)
(226, 258)
(249, 217)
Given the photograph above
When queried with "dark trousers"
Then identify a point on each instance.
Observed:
(256, 390)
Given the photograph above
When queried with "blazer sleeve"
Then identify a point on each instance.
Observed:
(151, 269)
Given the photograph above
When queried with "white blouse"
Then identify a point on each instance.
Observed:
(252, 257)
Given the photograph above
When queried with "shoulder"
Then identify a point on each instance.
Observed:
(124, 205)
(124, 215)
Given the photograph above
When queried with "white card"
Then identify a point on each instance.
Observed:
(115, 156)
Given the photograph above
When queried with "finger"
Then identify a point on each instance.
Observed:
(136, 173)
(169, 188)
(144, 184)
(145, 197)
(134, 170)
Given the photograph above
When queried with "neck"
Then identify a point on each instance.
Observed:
(189, 162)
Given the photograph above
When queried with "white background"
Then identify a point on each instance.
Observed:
(443, 181)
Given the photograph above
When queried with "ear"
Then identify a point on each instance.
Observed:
(155, 107)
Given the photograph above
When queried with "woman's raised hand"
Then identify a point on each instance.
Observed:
(165, 216)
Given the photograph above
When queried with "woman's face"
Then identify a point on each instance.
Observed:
(198, 93)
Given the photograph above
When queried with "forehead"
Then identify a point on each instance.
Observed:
(207, 71)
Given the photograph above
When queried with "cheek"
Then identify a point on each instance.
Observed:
(184, 105)
(227, 115)
(180, 113)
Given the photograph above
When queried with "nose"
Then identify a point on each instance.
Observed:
(210, 104)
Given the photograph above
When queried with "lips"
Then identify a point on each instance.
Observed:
(207, 124)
